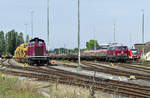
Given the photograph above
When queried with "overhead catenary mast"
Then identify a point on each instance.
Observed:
(130, 38)
(94, 40)
(48, 25)
(32, 12)
(143, 32)
(79, 66)
(114, 32)
(26, 30)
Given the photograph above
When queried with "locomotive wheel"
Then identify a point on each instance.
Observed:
(48, 63)
(29, 62)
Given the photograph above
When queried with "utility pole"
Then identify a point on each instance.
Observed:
(26, 30)
(48, 25)
(94, 40)
(32, 12)
(143, 32)
(79, 66)
(64, 48)
(114, 32)
(130, 40)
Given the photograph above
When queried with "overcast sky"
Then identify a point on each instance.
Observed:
(96, 16)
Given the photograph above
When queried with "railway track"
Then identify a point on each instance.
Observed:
(133, 66)
(100, 68)
(66, 77)
(101, 79)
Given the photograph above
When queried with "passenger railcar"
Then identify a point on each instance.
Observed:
(134, 54)
(110, 53)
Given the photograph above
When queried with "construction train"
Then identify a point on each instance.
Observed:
(33, 52)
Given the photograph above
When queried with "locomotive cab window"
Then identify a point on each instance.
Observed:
(134, 51)
(32, 43)
(40, 42)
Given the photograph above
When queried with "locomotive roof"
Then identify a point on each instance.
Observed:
(36, 38)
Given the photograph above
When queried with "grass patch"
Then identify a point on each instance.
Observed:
(64, 61)
(69, 91)
(14, 88)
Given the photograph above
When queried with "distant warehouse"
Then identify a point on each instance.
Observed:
(140, 46)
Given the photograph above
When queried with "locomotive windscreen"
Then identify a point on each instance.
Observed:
(39, 51)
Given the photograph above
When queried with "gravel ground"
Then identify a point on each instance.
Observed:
(98, 74)
(103, 75)
(125, 69)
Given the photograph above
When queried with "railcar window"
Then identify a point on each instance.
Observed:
(98, 47)
(118, 48)
(105, 47)
(110, 48)
(124, 48)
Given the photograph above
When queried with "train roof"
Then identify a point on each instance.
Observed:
(36, 38)
(140, 44)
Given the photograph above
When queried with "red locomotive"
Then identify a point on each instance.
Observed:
(117, 53)
(36, 52)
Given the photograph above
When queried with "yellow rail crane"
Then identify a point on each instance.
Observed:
(20, 52)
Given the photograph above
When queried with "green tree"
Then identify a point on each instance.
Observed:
(75, 50)
(6, 42)
(2, 43)
(27, 38)
(91, 44)
(20, 39)
(56, 51)
(11, 41)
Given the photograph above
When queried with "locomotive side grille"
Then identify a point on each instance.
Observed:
(39, 51)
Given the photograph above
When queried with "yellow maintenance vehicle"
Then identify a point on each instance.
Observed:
(20, 52)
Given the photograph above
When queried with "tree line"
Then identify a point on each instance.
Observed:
(9, 41)
(90, 45)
